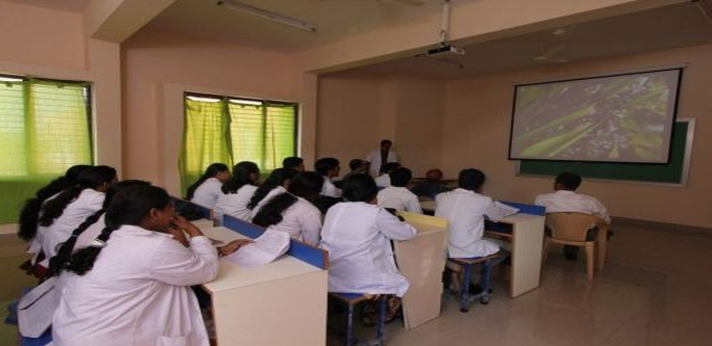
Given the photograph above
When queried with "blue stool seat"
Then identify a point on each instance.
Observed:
(351, 299)
(467, 264)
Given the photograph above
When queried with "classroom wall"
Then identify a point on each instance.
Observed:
(159, 65)
(52, 44)
(356, 110)
(476, 133)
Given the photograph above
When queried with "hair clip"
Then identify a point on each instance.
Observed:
(97, 243)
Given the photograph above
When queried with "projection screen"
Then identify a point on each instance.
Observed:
(617, 118)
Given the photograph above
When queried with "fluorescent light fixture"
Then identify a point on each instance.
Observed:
(10, 79)
(204, 99)
(255, 11)
(246, 102)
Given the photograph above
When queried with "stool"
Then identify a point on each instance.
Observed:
(467, 265)
(351, 299)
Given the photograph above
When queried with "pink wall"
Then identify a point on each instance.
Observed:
(476, 133)
(155, 61)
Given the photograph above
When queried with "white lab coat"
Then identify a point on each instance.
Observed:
(465, 211)
(235, 204)
(383, 181)
(357, 236)
(207, 193)
(274, 192)
(137, 294)
(302, 221)
(86, 204)
(329, 189)
(400, 199)
(89, 234)
(374, 158)
(570, 201)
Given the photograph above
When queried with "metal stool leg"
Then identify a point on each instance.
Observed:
(486, 270)
(381, 325)
(350, 325)
(465, 289)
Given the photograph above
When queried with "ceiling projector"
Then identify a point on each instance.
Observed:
(446, 50)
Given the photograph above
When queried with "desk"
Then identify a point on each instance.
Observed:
(524, 231)
(421, 260)
(280, 303)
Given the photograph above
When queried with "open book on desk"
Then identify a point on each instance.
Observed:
(265, 249)
(497, 211)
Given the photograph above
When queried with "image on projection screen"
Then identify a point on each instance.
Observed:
(621, 118)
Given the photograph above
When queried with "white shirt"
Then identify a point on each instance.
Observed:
(274, 192)
(357, 236)
(329, 189)
(86, 204)
(383, 180)
(138, 293)
(207, 193)
(90, 234)
(302, 221)
(464, 211)
(235, 204)
(374, 158)
(400, 199)
(570, 201)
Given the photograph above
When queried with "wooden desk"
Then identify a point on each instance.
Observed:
(280, 303)
(524, 234)
(422, 260)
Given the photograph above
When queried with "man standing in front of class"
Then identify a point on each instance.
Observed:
(380, 157)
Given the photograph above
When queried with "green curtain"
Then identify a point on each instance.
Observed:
(46, 128)
(259, 131)
(206, 139)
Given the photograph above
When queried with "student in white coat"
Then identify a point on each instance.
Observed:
(131, 286)
(65, 212)
(465, 209)
(329, 168)
(30, 214)
(397, 196)
(380, 157)
(237, 192)
(206, 190)
(276, 184)
(293, 212)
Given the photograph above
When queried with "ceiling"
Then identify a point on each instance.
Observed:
(74, 6)
(659, 29)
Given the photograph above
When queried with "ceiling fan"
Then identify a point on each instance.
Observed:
(415, 3)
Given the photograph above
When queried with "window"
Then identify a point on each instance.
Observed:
(229, 130)
(45, 127)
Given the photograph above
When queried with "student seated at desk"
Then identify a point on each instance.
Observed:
(384, 179)
(293, 212)
(275, 184)
(329, 168)
(465, 210)
(238, 191)
(565, 199)
(294, 162)
(131, 285)
(206, 190)
(357, 166)
(357, 234)
(432, 186)
(397, 196)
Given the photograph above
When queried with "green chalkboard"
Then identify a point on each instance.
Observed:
(673, 173)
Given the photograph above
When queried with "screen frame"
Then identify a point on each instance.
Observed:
(679, 69)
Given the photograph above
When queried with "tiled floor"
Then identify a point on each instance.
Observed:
(655, 290)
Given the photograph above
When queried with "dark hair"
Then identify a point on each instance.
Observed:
(386, 141)
(210, 172)
(91, 178)
(292, 162)
(429, 175)
(30, 212)
(471, 179)
(389, 166)
(355, 164)
(306, 185)
(276, 178)
(128, 207)
(570, 181)
(240, 176)
(359, 188)
(400, 177)
(325, 164)
(61, 259)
